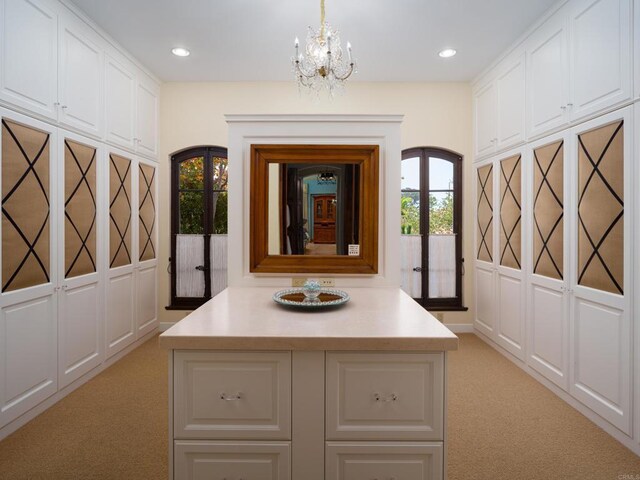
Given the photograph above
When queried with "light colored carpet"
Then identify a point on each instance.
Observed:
(502, 425)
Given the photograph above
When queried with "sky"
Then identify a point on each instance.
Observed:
(440, 173)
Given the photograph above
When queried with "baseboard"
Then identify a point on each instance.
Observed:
(26, 417)
(164, 326)
(460, 327)
(627, 441)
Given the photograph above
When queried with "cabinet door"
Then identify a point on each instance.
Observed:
(601, 62)
(120, 88)
(147, 318)
(485, 119)
(80, 79)
(547, 78)
(121, 291)
(199, 460)
(147, 116)
(28, 49)
(28, 302)
(601, 284)
(636, 48)
(510, 94)
(547, 307)
(379, 460)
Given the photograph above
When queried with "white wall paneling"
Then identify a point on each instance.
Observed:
(636, 236)
(547, 289)
(510, 96)
(28, 70)
(600, 55)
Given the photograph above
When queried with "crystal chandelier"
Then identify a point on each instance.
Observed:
(323, 65)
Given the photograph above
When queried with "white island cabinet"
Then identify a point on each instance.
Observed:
(261, 392)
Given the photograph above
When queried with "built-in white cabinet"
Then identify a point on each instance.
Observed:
(636, 47)
(131, 293)
(28, 69)
(67, 73)
(120, 91)
(147, 94)
(548, 76)
(578, 64)
(499, 108)
(80, 78)
(357, 415)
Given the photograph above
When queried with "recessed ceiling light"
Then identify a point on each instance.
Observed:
(447, 53)
(180, 52)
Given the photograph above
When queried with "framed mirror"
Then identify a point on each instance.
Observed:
(314, 209)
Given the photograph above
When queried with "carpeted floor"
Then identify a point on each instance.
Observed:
(502, 425)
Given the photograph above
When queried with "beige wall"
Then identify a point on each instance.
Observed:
(435, 114)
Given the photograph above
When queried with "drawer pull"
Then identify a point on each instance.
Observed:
(389, 398)
(231, 398)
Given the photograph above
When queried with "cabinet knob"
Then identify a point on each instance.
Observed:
(389, 398)
(563, 107)
(231, 398)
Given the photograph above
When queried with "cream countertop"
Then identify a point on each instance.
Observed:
(246, 318)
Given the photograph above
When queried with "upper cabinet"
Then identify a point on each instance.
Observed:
(57, 67)
(600, 55)
(147, 116)
(499, 108)
(578, 64)
(120, 80)
(547, 77)
(28, 55)
(80, 79)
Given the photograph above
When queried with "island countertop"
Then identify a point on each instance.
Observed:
(246, 318)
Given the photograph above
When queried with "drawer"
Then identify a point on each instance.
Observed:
(385, 396)
(232, 395)
(201, 460)
(384, 461)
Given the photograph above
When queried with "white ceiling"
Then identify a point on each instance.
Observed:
(252, 40)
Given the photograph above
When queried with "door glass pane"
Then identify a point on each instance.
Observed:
(220, 213)
(440, 174)
(189, 255)
(192, 174)
(410, 240)
(440, 213)
(442, 266)
(191, 211)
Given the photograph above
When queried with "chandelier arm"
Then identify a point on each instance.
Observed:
(302, 73)
(345, 76)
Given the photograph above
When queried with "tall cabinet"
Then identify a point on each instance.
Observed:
(78, 234)
(563, 305)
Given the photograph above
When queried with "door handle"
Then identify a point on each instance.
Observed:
(417, 269)
(202, 268)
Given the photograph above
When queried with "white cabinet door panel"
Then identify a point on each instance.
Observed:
(120, 106)
(243, 395)
(485, 301)
(367, 461)
(601, 62)
(384, 396)
(548, 337)
(81, 79)
(510, 89)
(121, 330)
(547, 77)
(28, 366)
(485, 120)
(28, 62)
(232, 460)
(80, 323)
(510, 314)
(147, 117)
(601, 361)
(147, 317)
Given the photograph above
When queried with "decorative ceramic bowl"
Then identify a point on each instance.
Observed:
(311, 289)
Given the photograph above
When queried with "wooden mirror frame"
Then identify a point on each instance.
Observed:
(366, 156)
